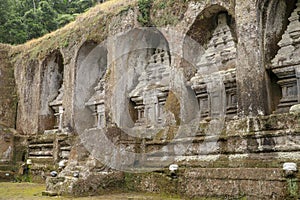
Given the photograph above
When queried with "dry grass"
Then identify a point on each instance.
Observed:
(20, 191)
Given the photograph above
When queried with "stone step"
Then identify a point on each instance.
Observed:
(42, 159)
(42, 139)
(40, 153)
(40, 166)
(66, 148)
(41, 145)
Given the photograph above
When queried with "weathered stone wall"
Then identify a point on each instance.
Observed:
(219, 183)
(8, 112)
(196, 23)
(8, 99)
(247, 164)
(96, 78)
(27, 81)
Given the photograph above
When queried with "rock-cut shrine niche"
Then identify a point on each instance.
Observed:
(89, 96)
(51, 111)
(286, 64)
(96, 102)
(215, 80)
(273, 21)
(150, 94)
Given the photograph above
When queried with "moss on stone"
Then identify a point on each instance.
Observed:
(159, 136)
(292, 186)
(173, 105)
(131, 181)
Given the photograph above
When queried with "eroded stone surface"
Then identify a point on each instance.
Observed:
(295, 109)
(139, 79)
(7, 87)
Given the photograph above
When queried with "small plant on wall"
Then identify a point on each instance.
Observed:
(144, 8)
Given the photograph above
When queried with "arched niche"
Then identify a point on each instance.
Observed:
(273, 21)
(52, 73)
(134, 51)
(210, 47)
(91, 66)
(201, 32)
(206, 22)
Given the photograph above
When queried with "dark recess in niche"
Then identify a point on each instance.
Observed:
(274, 16)
(271, 13)
(204, 25)
(51, 81)
(132, 111)
(60, 63)
(275, 88)
(24, 155)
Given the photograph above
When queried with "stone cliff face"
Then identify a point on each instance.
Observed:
(8, 97)
(209, 86)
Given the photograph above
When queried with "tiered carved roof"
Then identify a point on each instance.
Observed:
(221, 51)
(156, 75)
(221, 47)
(99, 95)
(289, 52)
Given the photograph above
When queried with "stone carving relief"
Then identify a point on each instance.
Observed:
(58, 108)
(215, 80)
(152, 90)
(6, 146)
(286, 64)
(97, 106)
(51, 96)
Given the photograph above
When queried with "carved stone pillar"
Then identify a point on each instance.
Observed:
(101, 120)
(252, 93)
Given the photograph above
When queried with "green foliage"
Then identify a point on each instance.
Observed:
(47, 16)
(293, 188)
(22, 20)
(64, 19)
(14, 27)
(144, 8)
(32, 24)
(162, 5)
